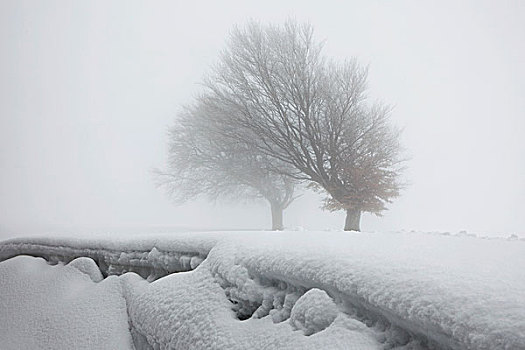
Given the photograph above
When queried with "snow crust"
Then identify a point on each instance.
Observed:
(307, 290)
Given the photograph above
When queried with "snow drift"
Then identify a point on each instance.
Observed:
(309, 289)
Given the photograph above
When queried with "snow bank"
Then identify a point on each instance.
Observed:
(59, 307)
(451, 292)
(150, 257)
(367, 291)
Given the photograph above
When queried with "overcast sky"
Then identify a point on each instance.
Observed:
(88, 89)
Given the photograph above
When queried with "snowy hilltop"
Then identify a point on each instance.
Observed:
(263, 290)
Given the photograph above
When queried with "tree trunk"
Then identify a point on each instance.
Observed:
(277, 216)
(353, 217)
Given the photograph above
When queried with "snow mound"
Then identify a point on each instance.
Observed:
(59, 307)
(313, 312)
(87, 266)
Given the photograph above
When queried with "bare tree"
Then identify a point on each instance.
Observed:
(282, 97)
(203, 162)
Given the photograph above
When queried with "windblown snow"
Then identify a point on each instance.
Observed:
(264, 290)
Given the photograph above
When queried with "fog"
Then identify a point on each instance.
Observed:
(88, 90)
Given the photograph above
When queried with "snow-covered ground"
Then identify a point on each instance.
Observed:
(266, 290)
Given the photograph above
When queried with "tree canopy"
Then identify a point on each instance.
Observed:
(276, 111)
(281, 96)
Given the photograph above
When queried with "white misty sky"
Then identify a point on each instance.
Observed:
(88, 89)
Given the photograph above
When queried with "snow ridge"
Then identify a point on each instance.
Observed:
(149, 257)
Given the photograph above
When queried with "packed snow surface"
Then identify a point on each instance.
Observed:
(280, 290)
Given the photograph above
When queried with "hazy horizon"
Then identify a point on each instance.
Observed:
(89, 89)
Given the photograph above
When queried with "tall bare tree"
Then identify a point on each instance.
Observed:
(201, 161)
(281, 96)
